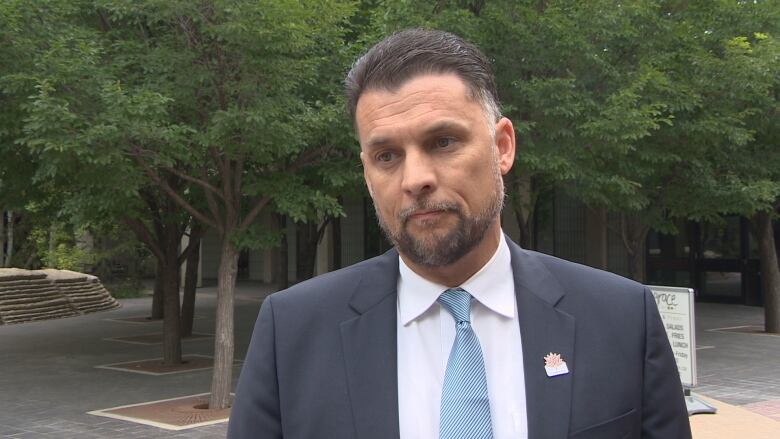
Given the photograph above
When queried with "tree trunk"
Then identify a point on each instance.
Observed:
(282, 268)
(596, 237)
(190, 282)
(337, 240)
(770, 272)
(525, 228)
(523, 208)
(636, 264)
(306, 255)
(171, 319)
(9, 229)
(2, 237)
(159, 293)
(224, 343)
(634, 235)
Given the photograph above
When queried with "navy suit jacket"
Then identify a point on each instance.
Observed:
(322, 360)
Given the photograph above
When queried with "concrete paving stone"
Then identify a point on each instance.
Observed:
(6, 431)
(43, 429)
(27, 435)
(52, 363)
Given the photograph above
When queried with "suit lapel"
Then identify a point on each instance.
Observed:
(370, 353)
(544, 329)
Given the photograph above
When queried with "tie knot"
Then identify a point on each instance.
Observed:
(457, 302)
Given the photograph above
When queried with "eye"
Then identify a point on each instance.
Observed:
(443, 142)
(385, 156)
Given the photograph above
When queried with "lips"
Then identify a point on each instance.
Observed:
(426, 214)
(427, 211)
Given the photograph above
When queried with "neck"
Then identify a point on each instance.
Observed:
(461, 270)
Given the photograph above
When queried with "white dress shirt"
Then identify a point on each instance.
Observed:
(426, 332)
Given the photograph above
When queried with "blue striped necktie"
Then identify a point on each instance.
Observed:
(465, 406)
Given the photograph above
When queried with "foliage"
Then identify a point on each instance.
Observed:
(58, 249)
(127, 289)
(640, 107)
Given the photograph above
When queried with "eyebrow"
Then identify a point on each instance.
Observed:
(377, 142)
(438, 127)
(445, 125)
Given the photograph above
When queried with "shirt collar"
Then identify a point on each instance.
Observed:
(492, 286)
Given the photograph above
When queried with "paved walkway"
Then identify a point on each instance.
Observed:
(48, 379)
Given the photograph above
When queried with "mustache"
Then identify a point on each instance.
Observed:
(427, 205)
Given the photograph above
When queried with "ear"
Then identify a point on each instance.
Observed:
(505, 142)
(365, 176)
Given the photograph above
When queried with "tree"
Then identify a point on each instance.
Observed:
(615, 104)
(209, 104)
(586, 92)
(61, 86)
(16, 166)
(741, 175)
(249, 125)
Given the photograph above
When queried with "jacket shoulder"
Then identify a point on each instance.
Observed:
(338, 285)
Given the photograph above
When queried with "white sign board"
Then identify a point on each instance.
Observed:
(677, 312)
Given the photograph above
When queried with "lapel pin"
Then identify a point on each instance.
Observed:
(554, 365)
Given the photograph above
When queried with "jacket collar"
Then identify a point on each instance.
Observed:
(370, 354)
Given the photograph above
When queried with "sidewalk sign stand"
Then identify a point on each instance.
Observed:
(677, 313)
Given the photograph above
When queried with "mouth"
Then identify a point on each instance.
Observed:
(426, 214)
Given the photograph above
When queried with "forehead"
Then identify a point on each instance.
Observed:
(421, 100)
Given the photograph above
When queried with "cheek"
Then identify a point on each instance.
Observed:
(385, 192)
(479, 180)
(384, 202)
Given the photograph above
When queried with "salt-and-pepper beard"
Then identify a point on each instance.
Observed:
(445, 250)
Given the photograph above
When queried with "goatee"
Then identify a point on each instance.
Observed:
(436, 249)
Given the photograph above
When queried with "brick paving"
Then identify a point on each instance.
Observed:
(741, 367)
(48, 379)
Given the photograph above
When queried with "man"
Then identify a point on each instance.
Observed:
(465, 335)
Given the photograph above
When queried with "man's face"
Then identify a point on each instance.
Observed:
(433, 165)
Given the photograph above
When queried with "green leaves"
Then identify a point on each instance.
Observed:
(633, 106)
(640, 107)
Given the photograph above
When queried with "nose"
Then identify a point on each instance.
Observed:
(419, 176)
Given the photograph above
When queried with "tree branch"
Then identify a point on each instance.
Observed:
(105, 25)
(250, 217)
(216, 156)
(212, 202)
(176, 197)
(294, 166)
(154, 208)
(624, 234)
(144, 235)
(306, 157)
(202, 183)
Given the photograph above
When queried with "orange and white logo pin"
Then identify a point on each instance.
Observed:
(554, 365)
